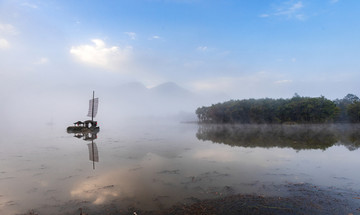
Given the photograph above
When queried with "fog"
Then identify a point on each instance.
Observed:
(27, 111)
(141, 65)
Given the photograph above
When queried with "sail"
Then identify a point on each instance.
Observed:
(93, 152)
(93, 107)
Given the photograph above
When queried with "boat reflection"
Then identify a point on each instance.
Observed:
(93, 150)
(298, 137)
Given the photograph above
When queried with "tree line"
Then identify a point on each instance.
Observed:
(294, 110)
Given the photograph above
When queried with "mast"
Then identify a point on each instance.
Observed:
(92, 112)
(93, 153)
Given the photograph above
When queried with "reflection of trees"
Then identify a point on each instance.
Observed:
(349, 136)
(284, 136)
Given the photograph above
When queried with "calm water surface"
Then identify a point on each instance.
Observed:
(154, 166)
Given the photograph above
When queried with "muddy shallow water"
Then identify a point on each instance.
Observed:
(152, 167)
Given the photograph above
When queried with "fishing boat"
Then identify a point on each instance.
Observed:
(88, 126)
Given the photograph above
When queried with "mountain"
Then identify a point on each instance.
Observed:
(171, 89)
(135, 100)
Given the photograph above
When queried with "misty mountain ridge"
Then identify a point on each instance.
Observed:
(166, 89)
(134, 99)
(170, 89)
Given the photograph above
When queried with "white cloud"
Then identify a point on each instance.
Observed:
(8, 29)
(202, 48)
(4, 44)
(155, 37)
(290, 9)
(98, 54)
(132, 35)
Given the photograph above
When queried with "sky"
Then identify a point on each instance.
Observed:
(242, 49)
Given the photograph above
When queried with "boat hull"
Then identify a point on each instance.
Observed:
(79, 129)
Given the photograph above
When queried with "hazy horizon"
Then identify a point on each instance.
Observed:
(55, 53)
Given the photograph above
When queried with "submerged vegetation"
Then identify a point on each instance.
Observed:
(295, 110)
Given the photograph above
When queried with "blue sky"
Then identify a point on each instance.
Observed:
(239, 48)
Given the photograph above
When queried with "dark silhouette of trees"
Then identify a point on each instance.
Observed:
(353, 111)
(295, 110)
(343, 105)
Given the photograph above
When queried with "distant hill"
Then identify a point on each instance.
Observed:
(164, 100)
(170, 89)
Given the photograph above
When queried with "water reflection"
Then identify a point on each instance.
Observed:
(152, 167)
(298, 137)
(89, 135)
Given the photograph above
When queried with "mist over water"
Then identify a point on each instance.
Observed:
(153, 164)
(123, 102)
(148, 155)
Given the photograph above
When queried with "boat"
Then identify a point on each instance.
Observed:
(88, 129)
(87, 126)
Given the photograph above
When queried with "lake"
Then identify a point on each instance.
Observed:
(153, 166)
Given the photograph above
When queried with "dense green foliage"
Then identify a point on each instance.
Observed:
(295, 110)
(353, 111)
(346, 108)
